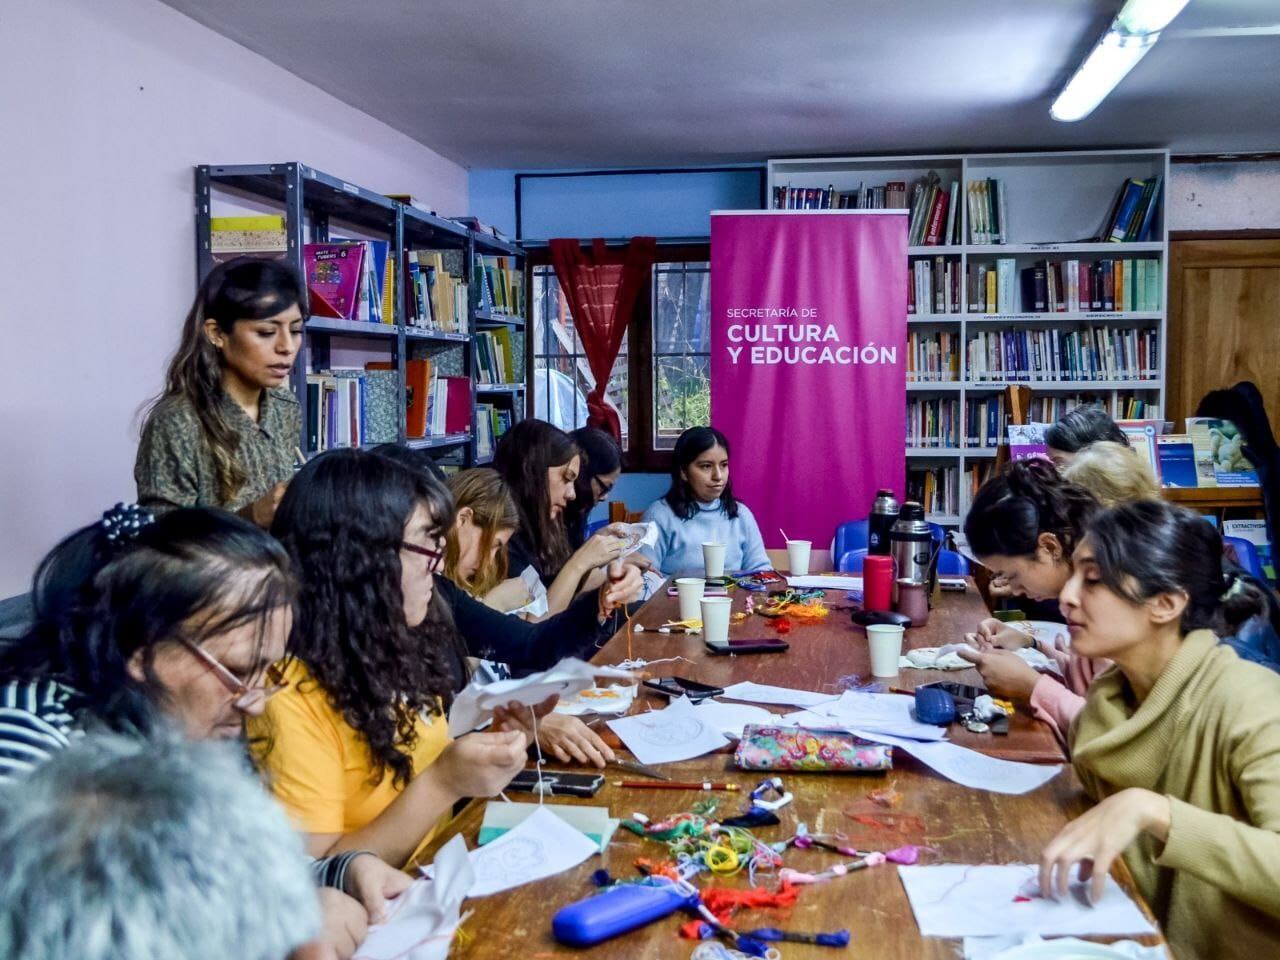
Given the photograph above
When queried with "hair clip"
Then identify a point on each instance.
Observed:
(124, 522)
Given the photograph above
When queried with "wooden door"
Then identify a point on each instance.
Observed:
(1224, 320)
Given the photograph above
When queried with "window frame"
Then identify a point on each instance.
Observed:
(642, 457)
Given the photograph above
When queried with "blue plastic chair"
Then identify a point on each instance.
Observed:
(596, 525)
(852, 535)
(851, 561)
(1247, 555)
(952, 564)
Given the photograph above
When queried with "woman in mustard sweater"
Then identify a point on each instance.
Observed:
(1179, 741)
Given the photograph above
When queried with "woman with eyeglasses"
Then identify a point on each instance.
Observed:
(176, 621)
(601, 467)
(360, 754)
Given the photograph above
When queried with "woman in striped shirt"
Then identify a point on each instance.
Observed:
(139, 623)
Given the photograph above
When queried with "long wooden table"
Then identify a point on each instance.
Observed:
(960, 824)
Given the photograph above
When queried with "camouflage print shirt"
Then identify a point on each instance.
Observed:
(175, 466)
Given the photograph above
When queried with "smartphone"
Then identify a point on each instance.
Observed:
(746, 645)
(558, 784)
(679, 686)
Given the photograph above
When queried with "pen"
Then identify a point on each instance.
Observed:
(674, 785)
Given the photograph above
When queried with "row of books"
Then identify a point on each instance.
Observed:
(1093, 353)
(979, 472)
(933, 357)
(435, 298)
(492, 422)
(257, 236)
(984, 421)
(988, 211)
(501, 285)
(935, 209)
(494, 357)
(1055, 286)
(937, 489)
(1120, 406)
(1133, 215)
(350, 280)
(934, 285)
(941, 423)
(351, 408)
(890, 196)
(935, 212)
(435, 405)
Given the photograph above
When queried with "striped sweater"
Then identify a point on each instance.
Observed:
(40, 717)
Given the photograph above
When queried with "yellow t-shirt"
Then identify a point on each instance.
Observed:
(319, 765)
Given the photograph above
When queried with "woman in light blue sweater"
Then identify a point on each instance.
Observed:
(700, 508)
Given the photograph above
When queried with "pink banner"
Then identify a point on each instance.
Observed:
(808, 364)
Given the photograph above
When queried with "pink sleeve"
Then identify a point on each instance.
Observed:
(1078, 672)
(1055, 705)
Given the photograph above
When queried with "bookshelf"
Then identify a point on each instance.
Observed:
(311, 201)
(1052, 201)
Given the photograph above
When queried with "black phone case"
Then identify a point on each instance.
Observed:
(764, 646)
(558, 784)
(678, 686)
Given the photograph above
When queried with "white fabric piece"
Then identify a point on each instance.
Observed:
(776, 696)
(421, 921)
(474, 705)
(613, 700)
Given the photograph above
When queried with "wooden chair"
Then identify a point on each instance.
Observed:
(618, 513)
(1017, 406)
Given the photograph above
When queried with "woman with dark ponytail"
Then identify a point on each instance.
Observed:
(1023, 525)
(1179, 742)
(225, 430)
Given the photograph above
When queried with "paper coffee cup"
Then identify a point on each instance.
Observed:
(798, 557)
(689, 590)
(885, 641)
(713, 559)
(715, 620)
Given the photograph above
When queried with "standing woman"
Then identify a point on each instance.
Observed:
(1179, 743)
(225, 431)
(601, 467)
(541, 463)
(700, 508)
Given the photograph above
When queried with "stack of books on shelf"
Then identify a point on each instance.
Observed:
(1133, 215)
(1056, 286)
(494, 363)
(351, 280)
(984, 422)
(1094, 353)
(933, 357)
(436, 405)
(435, 298)
(232, 237)
(933, 422)
(937, 489)
(491, 423)
(934, 286)
(1047, 409)
(891, 196)
(988, 211)
(501, 285)
(935, 212)
(351, 408)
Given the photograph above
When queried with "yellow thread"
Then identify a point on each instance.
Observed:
(721, 859)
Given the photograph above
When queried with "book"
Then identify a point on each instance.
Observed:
(1255, 531)
(1142, 436)
(1177, 460)
(1026, 441)
(1219, 454)
(257, 236)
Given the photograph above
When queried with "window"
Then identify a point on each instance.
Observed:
(561, 377)
(661, 382)
(681, 350)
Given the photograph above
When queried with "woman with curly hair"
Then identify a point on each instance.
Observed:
(360, 755)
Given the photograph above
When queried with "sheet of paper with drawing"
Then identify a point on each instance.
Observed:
(955, 900)
(969, 768)
(664, 736)
(474, 705)
(778, 696)
(542, 846)
(889, 713)
(422, 920)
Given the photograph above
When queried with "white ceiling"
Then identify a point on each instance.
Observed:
(593, 83)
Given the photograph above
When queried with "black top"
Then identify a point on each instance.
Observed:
(520, 554)
(525, 647)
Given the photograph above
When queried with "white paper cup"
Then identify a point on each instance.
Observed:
(715, 620)
(713, 559)
(689, 590)
(798, 557)
(885, 640)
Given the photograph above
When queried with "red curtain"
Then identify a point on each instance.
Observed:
(601, 289)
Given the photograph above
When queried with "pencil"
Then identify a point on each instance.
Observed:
(674, 785)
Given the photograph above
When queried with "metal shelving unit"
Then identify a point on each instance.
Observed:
(310, 201)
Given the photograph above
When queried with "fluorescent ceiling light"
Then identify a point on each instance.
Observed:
(1133, 32)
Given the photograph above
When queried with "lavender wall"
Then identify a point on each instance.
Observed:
(105, 106)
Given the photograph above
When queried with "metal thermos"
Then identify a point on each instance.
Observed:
(884, 513)
(911, 546)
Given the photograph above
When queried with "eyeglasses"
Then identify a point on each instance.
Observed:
(248, 696)
(603, 489)
(435, 556)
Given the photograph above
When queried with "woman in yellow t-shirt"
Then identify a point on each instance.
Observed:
(356, 745)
